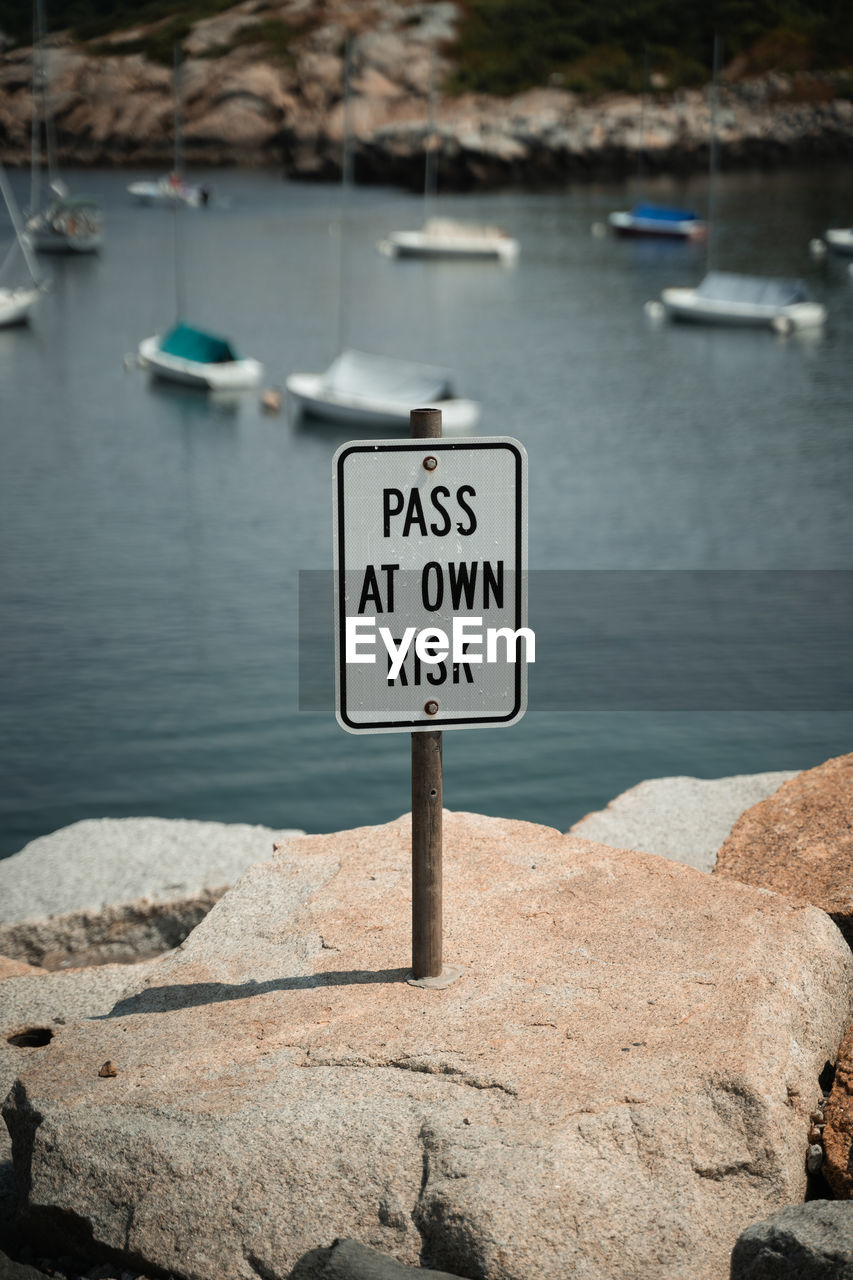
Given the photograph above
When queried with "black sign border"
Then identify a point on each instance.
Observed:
(425, 447)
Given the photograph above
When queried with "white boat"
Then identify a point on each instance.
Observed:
(196, 358)
(449, 238)
(169, 191)
(17, 301)
(446, 237)
(659, 221)
(729, 298)
(172, 190)
(839, 239)
(16, 304)
(371, 391)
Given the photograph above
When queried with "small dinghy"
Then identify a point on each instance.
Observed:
(660, 221)
(198, 359)
(363, 390)
(726, 297)
(169, 191)
(448, 238)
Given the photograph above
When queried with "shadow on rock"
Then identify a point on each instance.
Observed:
(189, 996)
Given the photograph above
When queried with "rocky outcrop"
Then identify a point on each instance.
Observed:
(349, 1260)
(811, 1241)
(838, 1133)
(617, 1085)
(800, 842)
(263, 84)
(686, 819)
(119, 888)
(34, 1006)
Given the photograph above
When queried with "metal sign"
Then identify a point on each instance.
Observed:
(430, 584)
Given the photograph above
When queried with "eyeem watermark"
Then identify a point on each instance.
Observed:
(433, 646)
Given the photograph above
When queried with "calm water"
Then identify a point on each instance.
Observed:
(151, 539)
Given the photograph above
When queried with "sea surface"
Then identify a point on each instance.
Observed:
(151, 539)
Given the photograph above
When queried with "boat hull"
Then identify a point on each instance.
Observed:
(625, 225)
(418, 244)
(62, 242)
(307, 394)
(165, 193)
(231, 375)
(840, 240)
(686, 305)
(16, 305)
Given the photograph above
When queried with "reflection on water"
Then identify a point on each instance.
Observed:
(152, 535)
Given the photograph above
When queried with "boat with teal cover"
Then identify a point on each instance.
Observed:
(197, 358)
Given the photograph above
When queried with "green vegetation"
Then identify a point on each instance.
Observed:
(276, 38)
(504, 46)
(94, 19)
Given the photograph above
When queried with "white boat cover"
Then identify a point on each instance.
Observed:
(770, 291)
(384, 379)
(451, 228)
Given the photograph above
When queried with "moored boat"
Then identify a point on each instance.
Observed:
(63, 224)
(729, 298)
(196, 358)
(17, 301)
(839, 239)
(68, 224)
(364, 390)
(658, 220)
(169, 191)
(449, 238)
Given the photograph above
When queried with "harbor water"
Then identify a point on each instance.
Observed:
(151, 538)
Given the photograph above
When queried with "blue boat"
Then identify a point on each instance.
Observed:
(658, 220)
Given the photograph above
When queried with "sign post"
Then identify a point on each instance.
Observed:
(431, 615)
(425, 424)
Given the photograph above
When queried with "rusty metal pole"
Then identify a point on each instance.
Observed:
(426, 807)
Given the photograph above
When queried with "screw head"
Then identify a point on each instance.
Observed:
(431, 708)
(430, 463)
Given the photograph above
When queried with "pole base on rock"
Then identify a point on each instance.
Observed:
(444, 979)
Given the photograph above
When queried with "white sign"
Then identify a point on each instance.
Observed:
(430, 584)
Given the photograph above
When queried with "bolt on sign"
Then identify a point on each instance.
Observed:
(430, 584)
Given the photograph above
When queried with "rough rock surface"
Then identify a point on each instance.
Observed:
(682, 818)
(349, 1260)
(246, 102)
(16, 968)
(838, 1134)
(617, 1085)
(811, 1241)
(800, 842)
(36, 1001)
(119, 888)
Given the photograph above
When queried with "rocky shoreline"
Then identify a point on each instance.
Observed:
(243, 106)
(645, 1068)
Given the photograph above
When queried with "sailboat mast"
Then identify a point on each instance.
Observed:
(177, 203)
(641, 150)
(431, 158)
(20, 233)
(176, 111)
(35, 136)
(49, 131)
(346, 179)
(712, 151)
